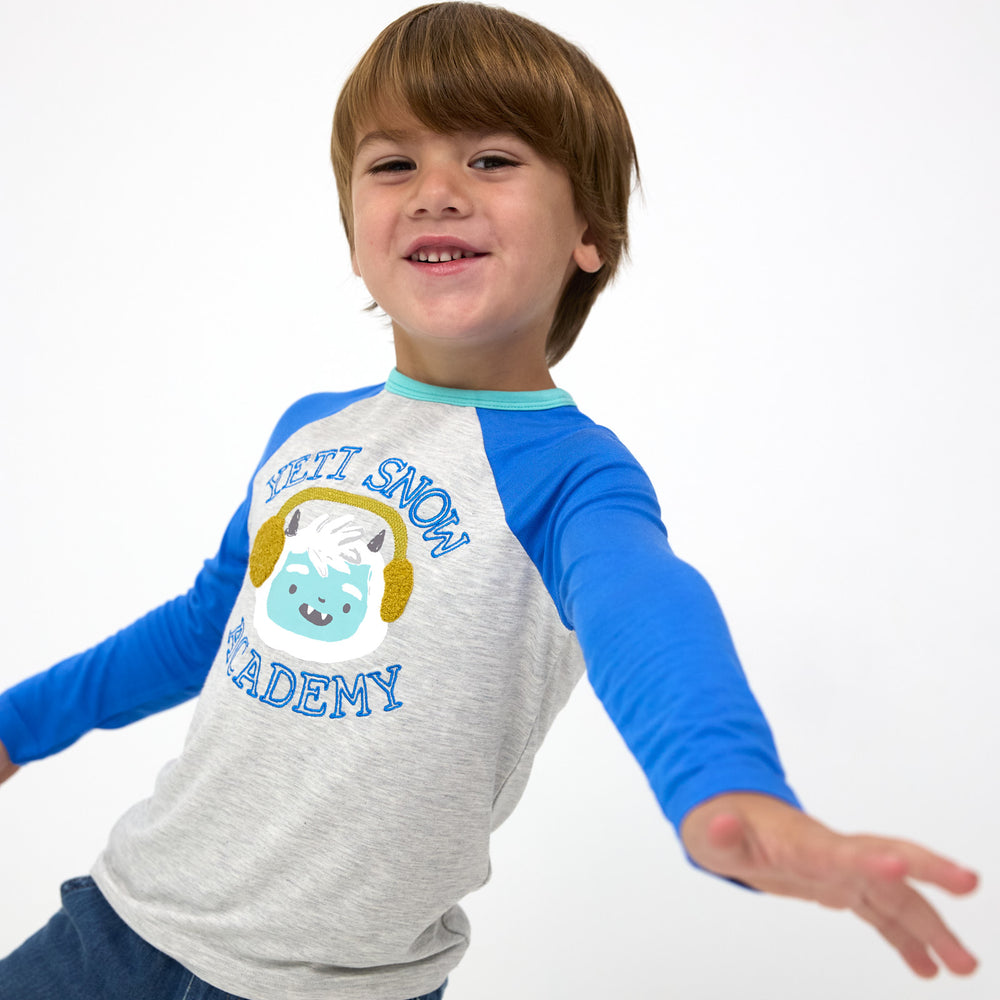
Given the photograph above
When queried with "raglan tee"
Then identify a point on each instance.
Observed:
(398, 610)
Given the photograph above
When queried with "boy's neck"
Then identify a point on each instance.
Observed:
(468, 366)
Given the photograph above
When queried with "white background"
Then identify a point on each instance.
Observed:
(803, 353)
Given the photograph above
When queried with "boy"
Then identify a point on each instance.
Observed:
(389, 622)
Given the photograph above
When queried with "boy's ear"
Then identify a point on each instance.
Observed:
(586, 254)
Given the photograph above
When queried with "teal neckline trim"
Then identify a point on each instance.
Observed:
(539, 399)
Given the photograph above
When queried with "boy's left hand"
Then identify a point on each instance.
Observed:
(767, 844)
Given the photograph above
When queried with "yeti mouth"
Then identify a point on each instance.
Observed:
(313, 616)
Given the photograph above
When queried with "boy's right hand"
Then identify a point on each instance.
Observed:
(765, 843)
(7, 767)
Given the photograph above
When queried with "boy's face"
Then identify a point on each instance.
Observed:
(466, 241)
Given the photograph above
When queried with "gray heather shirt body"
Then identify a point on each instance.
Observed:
(329, 810)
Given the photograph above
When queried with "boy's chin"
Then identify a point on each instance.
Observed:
(465, 335)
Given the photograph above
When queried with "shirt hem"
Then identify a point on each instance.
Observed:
(377, 983)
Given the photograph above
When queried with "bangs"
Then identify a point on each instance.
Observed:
(465, 67)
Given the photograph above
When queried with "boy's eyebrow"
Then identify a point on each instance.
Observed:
(383, 135)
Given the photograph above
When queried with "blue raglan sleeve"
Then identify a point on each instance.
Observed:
(160, 660)
(155, 663)
(658, 652)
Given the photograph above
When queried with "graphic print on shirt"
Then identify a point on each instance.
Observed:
(326, 586)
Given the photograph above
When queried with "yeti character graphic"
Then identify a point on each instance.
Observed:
(325, 591)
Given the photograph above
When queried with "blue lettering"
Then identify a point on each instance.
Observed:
(421, 520)
(386, 475)
(389, 686)
(359, 692)
(279, 672)
(236, 642)
(283, 685)
(409, 493)
(322, 456)
(243, 646)
(428, 509)
(349, 452)
(312, 687)
(250, 672)
(296, 473)
(445, 539)
(274, 483)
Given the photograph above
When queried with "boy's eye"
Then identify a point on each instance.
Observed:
(493, 161)
(391, 166)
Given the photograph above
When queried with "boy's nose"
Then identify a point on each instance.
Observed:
(440, 192)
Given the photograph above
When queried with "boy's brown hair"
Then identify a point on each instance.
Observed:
(467, 67)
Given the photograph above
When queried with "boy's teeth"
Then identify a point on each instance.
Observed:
(439, 256)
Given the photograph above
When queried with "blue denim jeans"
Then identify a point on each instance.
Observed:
(86, 952)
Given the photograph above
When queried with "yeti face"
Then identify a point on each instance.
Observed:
(323, 600)
(327, 608)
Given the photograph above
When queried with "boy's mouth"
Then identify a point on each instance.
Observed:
(441, 255)
(440, 250)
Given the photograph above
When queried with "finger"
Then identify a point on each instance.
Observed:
(902, 905)
(882, 864)
(910, 949)
(926, 866)
(892, 860)
(870, 874)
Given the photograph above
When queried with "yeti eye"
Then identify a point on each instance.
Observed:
(292, 589)
(346, 609)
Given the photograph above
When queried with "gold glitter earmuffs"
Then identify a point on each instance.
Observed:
(398, 573)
